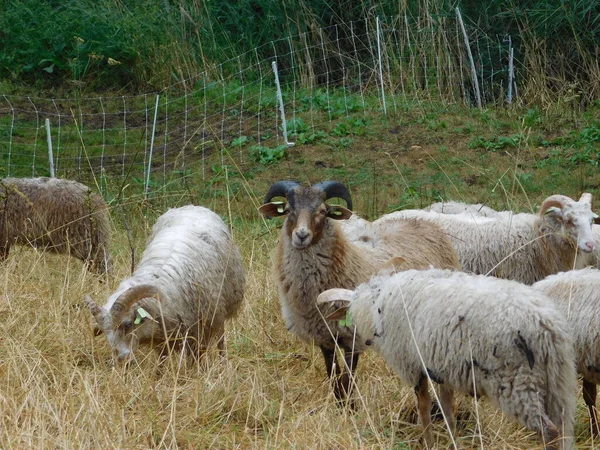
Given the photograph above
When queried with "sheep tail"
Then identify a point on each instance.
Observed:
(562, 384)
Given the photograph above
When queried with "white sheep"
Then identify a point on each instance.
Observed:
(454, 207)
(477, 335)
(61, 216)
(577, 295)
(522, 247)
(315, 253)
(189, 281)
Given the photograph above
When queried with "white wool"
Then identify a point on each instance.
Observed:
(505, 335)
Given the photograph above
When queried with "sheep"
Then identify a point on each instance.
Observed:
(577, 295)
(521, 247)
(453, 207)
(189, 281)
(473, 334)
(315, 253)
(61, 216)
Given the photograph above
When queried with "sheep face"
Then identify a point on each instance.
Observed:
(127, 323)
(357, 304)
(307, 215)
(571, 219)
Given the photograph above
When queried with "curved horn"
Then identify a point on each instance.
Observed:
(586, 197)
(335, 189)
(132, 295)
(557, 200)
(98, 313)
(280, 189)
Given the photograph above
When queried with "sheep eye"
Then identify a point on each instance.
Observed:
(126, 324)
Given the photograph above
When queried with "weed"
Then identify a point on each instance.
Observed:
(267, 155)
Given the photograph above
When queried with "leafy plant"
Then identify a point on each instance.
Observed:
(267, 155)
(496, 144)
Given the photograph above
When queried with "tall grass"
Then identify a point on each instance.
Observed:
(124, 44)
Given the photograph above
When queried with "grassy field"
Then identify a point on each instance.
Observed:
(59, 387)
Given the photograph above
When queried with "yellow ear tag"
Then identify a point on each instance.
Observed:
(280, 207)
(141, 314)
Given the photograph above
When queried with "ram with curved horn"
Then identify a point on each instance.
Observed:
(316, 252)
(189, 281)
(523, 247)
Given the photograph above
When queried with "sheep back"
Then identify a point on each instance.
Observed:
(508, 247)
(453, 207)
(59, 215)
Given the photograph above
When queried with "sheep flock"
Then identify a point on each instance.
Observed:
(474, 309)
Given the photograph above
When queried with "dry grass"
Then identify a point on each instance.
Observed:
(59, 387)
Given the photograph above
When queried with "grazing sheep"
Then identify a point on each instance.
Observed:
(473, 334)
(189, 281)
(453, 207)
(577, 295)
(61, 216)
(315, 253)
(520, 247)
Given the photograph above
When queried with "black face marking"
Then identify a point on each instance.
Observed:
(522, 345)
(379, 310)
(291, 198)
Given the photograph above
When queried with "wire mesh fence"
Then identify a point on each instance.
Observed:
(375, 67)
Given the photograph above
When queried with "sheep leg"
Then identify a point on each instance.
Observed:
(446, 402)
(333, 371)
(589, 397)
(4, 249)
(550, 434)
(424, 410)
(351, 359)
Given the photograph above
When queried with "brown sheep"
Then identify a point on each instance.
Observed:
(315, 253)
(61, 216)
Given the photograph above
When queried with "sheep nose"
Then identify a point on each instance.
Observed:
(123, 357)
(590, 245)
(302, 235)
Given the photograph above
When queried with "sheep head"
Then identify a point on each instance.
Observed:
(126, 322)
(573, 219)
(306, 209)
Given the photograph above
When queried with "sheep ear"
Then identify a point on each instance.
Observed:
(394, 265)
(338, 314)
(338, 212)
(272, 209)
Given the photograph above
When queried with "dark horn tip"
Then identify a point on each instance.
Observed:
(280, 189)
(333, 189)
